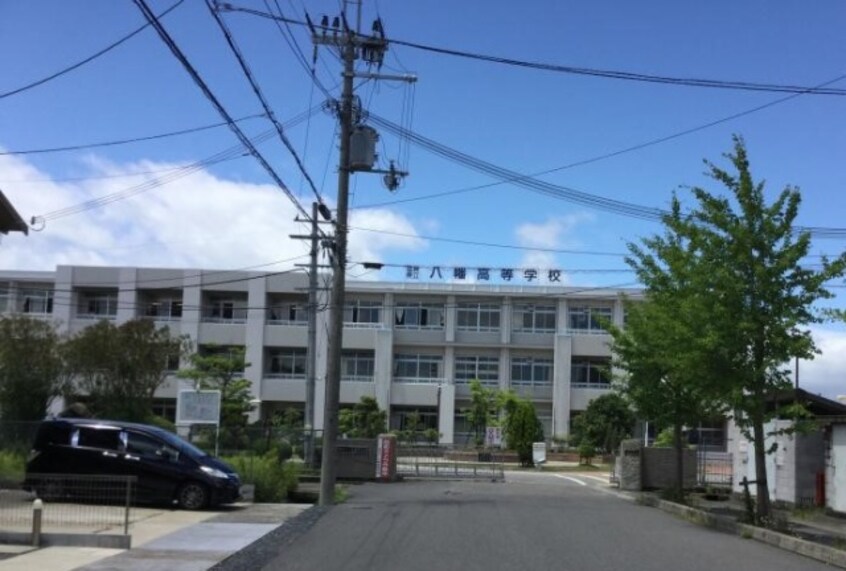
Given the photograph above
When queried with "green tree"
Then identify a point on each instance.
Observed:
(119, 367)
(606, 421)
(482, 412)
(745, 266)
(521, 427)
(363, 420)
(662, 381)
(31, 370)
(223, 370)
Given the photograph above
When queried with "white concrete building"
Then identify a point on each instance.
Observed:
(413, 346)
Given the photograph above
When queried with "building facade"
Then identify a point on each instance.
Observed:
(415, 347)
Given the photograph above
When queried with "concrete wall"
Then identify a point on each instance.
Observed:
(659, 468)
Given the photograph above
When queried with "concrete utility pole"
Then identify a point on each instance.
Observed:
(352, 45)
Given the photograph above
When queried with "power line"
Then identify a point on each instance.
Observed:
(90, 58)
(630, 76)
(168, 40)
(230, 40)
(559, 192)
(610, 74)
(612, 154)
(126, 141)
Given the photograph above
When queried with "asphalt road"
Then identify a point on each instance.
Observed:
(532, 521)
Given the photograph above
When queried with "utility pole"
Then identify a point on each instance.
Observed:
(311, 358)
(352, 45)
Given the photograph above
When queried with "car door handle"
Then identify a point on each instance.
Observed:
(110, 454)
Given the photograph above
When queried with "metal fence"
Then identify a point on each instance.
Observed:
(70, 503)
(714, 469)
(439, 462)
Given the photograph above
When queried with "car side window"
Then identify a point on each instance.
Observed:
(144, 445)
(104, 439)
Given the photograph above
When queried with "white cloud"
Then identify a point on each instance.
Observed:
(554, 233)
(826, 374)
(198, 221)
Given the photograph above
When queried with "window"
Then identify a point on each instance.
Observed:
(172, 364)
(165, 309)
(590, 373)
(484, 369)
(142, 444)
(102, 438)
(417, 368)
(287, 363)
(36, 301)
(288, 314)
(478, 316)
(98, 305)
(591, 319)
(531, 318)
(4, 296)
(358, 366)
(165, 408)
(419, 316)
(360, 312)
(226, 310)
(531, 371)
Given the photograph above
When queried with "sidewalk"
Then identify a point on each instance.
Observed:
(169, 541)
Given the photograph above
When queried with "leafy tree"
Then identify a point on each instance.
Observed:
(744, 264)
(605, 422)
(521, 427)
(223, 371)
(484, 405)
(30, 367)
(662, 381)
(120, 367)
(363, 420)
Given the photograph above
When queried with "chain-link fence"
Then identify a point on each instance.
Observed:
(71, 503)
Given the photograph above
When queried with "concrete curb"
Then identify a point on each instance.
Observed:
(103, 541)
(823, 553)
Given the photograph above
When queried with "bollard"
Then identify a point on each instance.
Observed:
(37, 510)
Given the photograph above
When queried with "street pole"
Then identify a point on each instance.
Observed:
(311, 364)
(328, 470)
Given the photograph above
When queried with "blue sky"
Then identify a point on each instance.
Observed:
(525, 120)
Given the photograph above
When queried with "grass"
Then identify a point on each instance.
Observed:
(12, 466)
(342, 494)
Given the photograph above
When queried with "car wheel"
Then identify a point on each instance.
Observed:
(192, 496)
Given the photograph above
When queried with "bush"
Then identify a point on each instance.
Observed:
(273, 480)
(12, 466)
(586, 452)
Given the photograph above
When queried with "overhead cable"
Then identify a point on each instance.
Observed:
(90, 58)
(245, 68)
(82, 146)
(605, 73)
(177, 52)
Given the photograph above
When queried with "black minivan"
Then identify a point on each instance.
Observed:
(168, 468)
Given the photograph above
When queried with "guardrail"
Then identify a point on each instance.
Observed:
(73, 504)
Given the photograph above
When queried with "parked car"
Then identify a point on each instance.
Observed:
(168, 469)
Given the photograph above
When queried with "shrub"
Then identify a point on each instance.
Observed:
(586, 452)
(273, 480)
(12, 466)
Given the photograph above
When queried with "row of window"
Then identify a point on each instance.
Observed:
(525, 371)
(481, 317)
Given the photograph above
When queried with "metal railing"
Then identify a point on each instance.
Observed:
(714, 468)
(439, 462)
(72, 503)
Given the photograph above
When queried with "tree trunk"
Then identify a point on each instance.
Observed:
(763, 491)
(677, 441)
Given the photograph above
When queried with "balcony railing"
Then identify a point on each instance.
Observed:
(288, 322)
(96, 316)
(357, 379)
(586, 332)
(224, 320)
(363, 325)
(286, 376)
(420, 380)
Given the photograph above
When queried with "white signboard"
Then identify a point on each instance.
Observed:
(198, 407)
(493, 436)
(539, 452)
